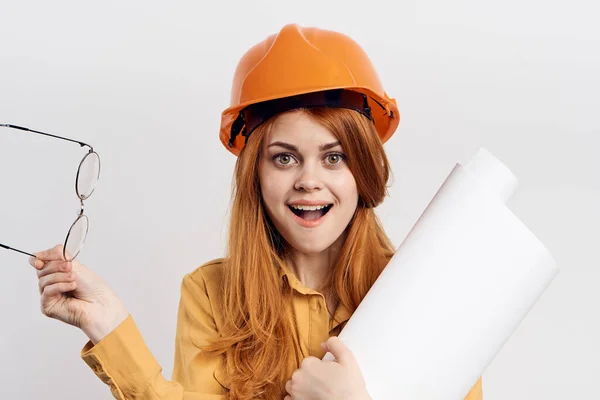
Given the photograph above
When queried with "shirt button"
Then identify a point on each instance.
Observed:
(97, 368)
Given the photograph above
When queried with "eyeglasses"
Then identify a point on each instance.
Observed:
(87, 176)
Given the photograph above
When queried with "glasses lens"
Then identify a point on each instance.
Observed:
(87, 175)
(76, 238)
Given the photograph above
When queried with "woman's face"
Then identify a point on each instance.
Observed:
(302, 167)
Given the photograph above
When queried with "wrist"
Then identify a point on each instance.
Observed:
(99, 328)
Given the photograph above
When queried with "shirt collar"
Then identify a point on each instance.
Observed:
(341, 314)
(294, 282)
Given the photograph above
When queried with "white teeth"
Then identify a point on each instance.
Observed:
(309, 208)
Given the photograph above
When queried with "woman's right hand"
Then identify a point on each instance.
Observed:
(74, 294)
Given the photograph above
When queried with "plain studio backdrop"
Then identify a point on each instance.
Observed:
(145, 83)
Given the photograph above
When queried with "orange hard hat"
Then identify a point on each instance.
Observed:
(300, 67)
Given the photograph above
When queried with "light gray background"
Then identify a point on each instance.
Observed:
(145, 83)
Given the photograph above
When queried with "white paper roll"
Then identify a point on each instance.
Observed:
(455, 291)
(493, 176)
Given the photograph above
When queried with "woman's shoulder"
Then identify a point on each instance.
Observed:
(210, 272)
(205, 293)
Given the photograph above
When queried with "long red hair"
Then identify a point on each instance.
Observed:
(259, 331)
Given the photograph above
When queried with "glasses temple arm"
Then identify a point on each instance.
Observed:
(22, 252)
(82, 144)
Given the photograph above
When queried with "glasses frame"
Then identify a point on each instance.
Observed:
(79, 195)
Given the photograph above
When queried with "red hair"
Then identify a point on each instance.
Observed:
(258, 336)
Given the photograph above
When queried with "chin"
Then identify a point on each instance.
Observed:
(309, 244)
(307, 248)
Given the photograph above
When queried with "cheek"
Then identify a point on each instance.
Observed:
(272, 188)
(344, 188)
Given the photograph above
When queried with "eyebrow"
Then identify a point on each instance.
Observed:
(291, 147)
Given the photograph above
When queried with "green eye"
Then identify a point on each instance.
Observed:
(335, 158)
(284, 159)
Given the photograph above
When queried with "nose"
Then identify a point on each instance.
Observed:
(308, 178)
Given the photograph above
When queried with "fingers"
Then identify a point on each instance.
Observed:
(53, 267)
(339, 350)
(288, 388)
(56, 289)
(289, 385)
(58, 277)
(35, 263)
(55, 253)
(308, 361)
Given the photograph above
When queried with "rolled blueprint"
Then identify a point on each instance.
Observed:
(454, 292)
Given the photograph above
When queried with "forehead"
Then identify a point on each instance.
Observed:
(296, 127)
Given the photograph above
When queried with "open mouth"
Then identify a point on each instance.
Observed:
(311, 215)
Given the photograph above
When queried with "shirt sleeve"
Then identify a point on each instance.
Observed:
(123, 361)
(476, 392)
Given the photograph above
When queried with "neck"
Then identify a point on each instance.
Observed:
(312, 268)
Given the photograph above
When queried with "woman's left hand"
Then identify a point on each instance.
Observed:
(325, 380)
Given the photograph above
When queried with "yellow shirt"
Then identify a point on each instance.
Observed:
(123, 361)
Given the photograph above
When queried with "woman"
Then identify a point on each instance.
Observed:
(308, 119)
